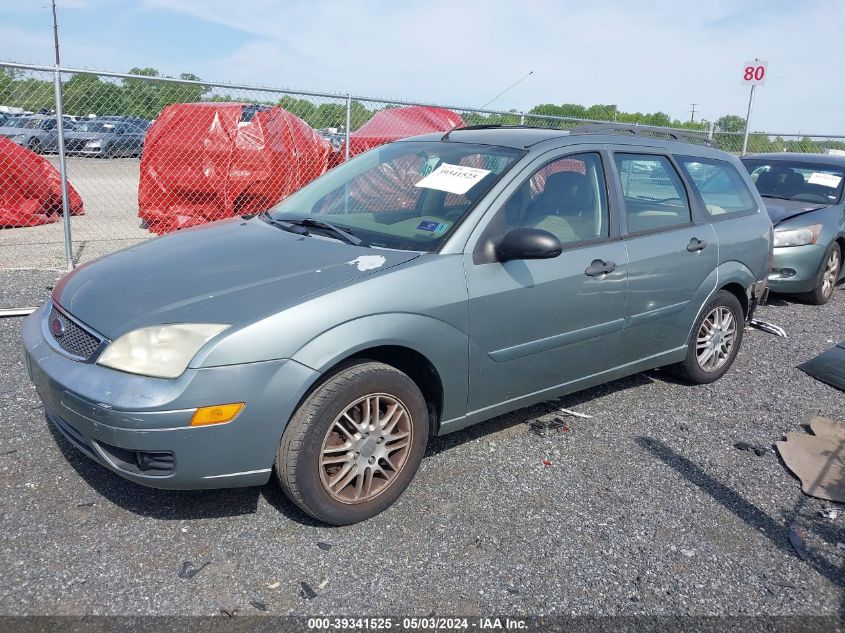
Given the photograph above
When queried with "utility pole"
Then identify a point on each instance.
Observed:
(56, 33)
(692, 113)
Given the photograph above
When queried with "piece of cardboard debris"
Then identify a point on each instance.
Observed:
(274, 585)
(818, 460)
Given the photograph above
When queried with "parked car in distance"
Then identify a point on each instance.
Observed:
(137, 121)
(803, 195)
(421, 287)
(106, 139)
(38, 133)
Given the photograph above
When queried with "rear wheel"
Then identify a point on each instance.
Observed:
(827, 277)
(35, 145)
(715, 341)
(354, 445)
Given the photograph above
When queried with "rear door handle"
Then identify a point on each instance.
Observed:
(600, 267)
(696, 245)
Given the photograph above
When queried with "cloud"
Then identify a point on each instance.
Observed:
(648, 56)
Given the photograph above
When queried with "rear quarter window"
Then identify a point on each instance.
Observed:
(719, 185)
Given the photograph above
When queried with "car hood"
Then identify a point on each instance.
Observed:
(780, 210)
(14, 131)
(233, 272)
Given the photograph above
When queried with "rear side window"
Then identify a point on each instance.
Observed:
(655, 197)
(720, 186)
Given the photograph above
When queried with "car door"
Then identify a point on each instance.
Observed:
(537, 324)
(672, 252)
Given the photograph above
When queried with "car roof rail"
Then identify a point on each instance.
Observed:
(492, 126)
(646, 131)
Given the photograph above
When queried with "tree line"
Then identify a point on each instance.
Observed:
(85, 94)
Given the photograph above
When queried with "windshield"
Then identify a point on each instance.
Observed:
(405, 195)
(24, 122)
(94, 126)
(798, 180)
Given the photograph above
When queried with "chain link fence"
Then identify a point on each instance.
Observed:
(146, 156)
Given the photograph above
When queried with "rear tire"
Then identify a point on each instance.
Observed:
(826, 278)
(714, 342)
(340, 461)
(35, 145)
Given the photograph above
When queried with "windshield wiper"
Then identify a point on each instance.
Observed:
(344, 234)
(774, 195)
(285, 226)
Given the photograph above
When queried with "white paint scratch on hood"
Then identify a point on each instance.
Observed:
(368, 262)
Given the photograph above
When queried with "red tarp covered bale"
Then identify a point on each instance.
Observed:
(201, 162)
(395, 123)
(30, 188)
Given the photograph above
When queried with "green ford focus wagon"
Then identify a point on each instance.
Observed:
(424, 286)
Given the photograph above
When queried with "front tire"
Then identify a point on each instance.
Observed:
(827, 277)
(354, 444)
(715, 341)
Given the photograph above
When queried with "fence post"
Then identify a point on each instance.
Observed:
(710, 127)
(60, 130)
(522, 118)
(348, 122)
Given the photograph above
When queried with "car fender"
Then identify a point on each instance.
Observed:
(445, 347)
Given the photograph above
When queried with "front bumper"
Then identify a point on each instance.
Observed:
(795, 268)
(126, 422)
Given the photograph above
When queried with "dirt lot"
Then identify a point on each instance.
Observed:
(109, 190)
(646, 508)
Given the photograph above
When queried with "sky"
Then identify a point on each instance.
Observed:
(643, 56)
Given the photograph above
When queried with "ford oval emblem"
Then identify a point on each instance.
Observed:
(57, 326)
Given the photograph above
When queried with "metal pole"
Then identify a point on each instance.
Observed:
(60, 129)
(348, 123)
(748, 121)
(522, 118)
(710, 127)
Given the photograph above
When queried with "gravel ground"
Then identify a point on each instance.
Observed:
(109, 190)
(646, 508)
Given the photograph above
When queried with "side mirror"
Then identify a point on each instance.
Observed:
(528, 243)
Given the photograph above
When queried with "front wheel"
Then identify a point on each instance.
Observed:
(827, 277)
(354, 445)
(714, 342)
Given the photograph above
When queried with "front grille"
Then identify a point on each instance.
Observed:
(71, 337)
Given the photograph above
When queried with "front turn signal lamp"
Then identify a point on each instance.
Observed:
(217, 414)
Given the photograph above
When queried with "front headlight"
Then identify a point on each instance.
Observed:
(94, 144)
(798, 237)
(162, 351)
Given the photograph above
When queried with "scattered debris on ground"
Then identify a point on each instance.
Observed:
(323, 584)
(306, 591)
(547, 462)
(759, 451)
(829, 513)
(261, 606)
(828, 367)
(818, 460)
(188, 570)
(324, 546)
(541, 427)
(274, 585)
(797, 540)
(230, 612)
(769, 328)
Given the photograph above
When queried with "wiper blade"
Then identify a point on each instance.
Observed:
(344, 234)
(774, 195)
(285, 226)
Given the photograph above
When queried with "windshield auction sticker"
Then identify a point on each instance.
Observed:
(453, 178)
(821, 178)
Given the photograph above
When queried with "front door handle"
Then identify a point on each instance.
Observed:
(696, 245)
(600, 267)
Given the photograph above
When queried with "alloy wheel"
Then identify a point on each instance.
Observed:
(831, 273)
(716, 338)
(365, 448)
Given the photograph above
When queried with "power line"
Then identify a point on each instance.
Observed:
(506, 89)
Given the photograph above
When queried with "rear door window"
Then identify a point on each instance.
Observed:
(655, 196)
(722, 189)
